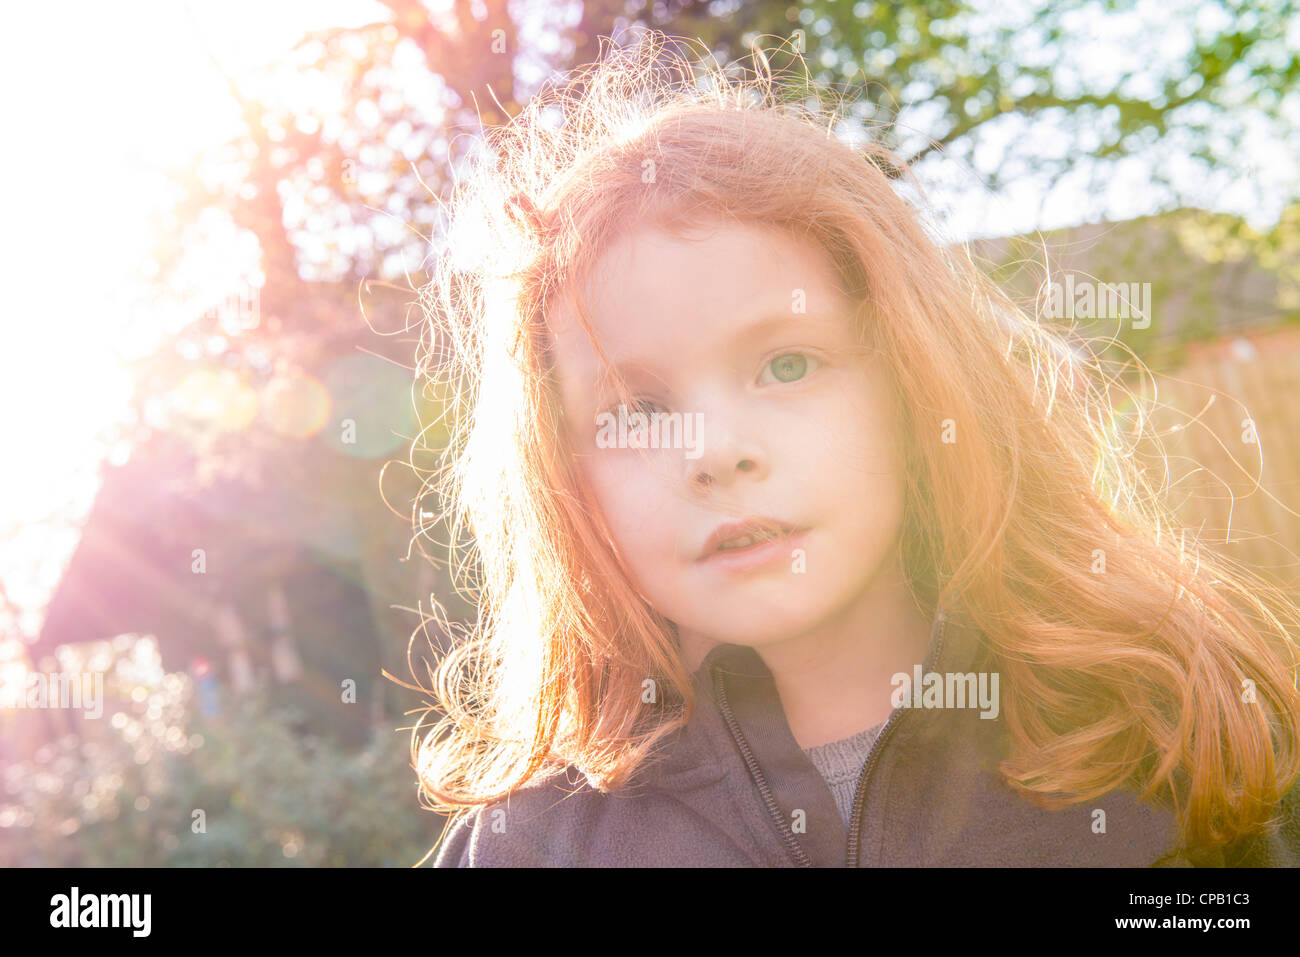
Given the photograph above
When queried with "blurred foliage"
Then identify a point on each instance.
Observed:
(270, 800)
(976, 63)
(350, 139)
(1222, 239)
(1210, 275)
(124, 793)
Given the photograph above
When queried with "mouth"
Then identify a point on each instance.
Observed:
(737, 537)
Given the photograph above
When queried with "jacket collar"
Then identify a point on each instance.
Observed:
(704, 751)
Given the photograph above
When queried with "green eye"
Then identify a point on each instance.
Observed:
(789, 367)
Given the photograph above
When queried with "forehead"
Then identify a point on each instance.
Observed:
(654, 290)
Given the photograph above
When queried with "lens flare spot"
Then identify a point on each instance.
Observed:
(221, 398)
(296, 406)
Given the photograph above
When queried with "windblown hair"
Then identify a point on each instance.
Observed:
(1133, 678)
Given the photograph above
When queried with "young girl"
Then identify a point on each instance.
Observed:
(795, 541)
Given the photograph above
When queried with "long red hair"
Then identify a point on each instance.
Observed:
(1129, 678)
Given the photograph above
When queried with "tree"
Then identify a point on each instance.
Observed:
(351, 144)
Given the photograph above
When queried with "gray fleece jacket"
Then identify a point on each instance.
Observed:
(732, 788)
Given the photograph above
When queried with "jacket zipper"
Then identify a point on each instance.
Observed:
(797, 854)
(860, 791)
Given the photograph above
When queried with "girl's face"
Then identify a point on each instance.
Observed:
(781, 416)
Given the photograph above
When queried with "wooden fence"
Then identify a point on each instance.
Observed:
(1229, 421)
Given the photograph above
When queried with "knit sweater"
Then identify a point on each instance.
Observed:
(840, 763)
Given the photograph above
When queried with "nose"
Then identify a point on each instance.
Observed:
(730, 451)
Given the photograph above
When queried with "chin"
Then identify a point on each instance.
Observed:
(758, 627)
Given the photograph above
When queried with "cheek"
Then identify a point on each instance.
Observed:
(881, 471)
(633, 505)
(852, 438)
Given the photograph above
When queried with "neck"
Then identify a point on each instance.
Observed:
(834, 679)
